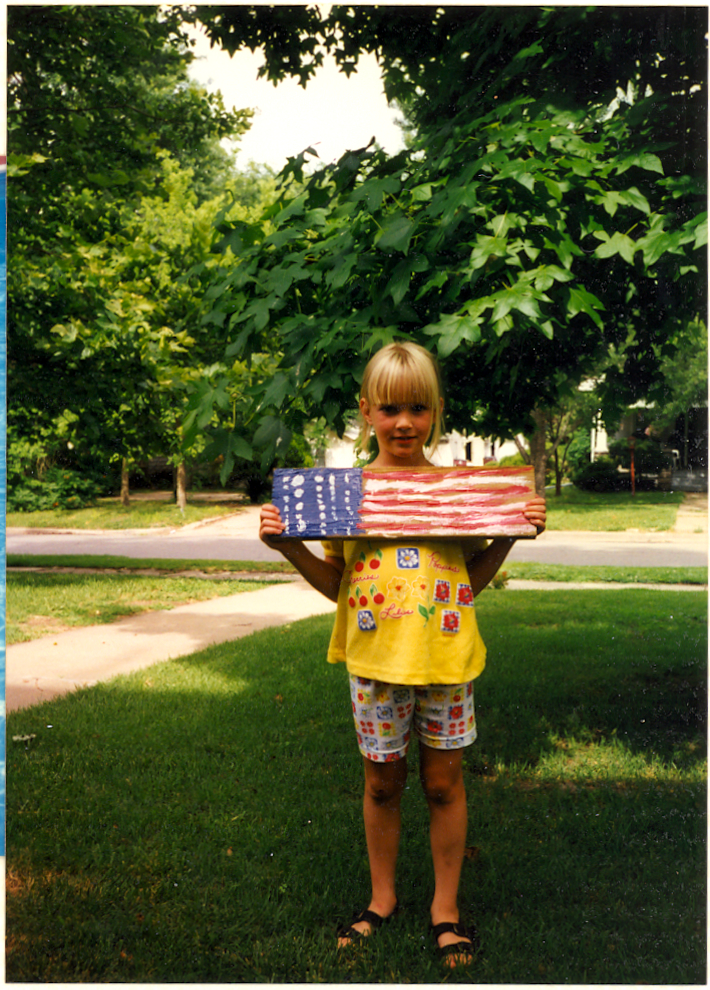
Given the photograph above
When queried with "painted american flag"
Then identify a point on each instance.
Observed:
(325, 503)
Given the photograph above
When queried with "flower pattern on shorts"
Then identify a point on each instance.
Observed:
(384, 714)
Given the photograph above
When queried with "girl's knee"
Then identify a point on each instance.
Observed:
(442, 782)
(441, 790)
(385, 782)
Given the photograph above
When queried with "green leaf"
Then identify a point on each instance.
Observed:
(522, 172)
(617, 244)
(423, 193)
(452, 329)
(107, 179)
(274, 437)
(503, 303)
(701, 232)
(260, 311)
(505, 325)
(317, 387)
(399, 283)
(231, 447)
(556, 187)
(282, 277)
(581, 301)
(341, 271)
(396, 235)
(633, 197)
(379, 337)
(374, 190)
(20, 164)
(547, 275)
(487, 248)
(564, 247)
(645, 160)
(240, 447)
(282, 237)
(278, 388)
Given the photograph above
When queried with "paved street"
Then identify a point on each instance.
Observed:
(234, 538)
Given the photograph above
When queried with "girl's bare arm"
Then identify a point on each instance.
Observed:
(483, 567)
(322, 574)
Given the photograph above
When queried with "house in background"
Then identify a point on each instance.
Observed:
(685, 444)
(454, 448)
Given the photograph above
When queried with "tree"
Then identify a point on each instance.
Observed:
(542, 216)
(560, 427)
(140, 346)
(98, 102)
(684, 383)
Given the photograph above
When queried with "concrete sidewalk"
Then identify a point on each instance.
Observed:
(54, 665)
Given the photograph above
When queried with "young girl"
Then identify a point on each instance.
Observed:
(408, 666)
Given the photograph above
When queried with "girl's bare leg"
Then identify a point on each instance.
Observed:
(384, 784)
(441, 774)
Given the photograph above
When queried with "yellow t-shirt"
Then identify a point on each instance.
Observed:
(405, 611)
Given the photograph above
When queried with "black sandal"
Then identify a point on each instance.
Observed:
(372, 918)
(470, 948)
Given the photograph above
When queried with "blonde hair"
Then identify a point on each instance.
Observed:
(402, 374)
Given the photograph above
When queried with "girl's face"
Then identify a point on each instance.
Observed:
(401, 431)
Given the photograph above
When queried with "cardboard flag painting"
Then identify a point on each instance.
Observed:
(327, 503)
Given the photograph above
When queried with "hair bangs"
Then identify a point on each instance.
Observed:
(401, 385)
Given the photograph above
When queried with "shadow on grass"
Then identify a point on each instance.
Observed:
(201, 822)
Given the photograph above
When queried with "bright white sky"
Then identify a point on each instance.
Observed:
(333, 114)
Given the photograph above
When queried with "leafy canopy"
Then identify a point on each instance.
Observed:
(550, 208)
(103, 130)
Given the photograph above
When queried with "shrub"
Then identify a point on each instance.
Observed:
(512, 460)
(600, 476)
(57, 488)
(649, 459)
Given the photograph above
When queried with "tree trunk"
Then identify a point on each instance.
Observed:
(125, 491)
(538, 450)
(181, 486)
(525, 454)
(558, 473)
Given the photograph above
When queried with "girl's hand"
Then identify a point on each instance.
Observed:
(270, 524)
(536, 512)
(323, 575)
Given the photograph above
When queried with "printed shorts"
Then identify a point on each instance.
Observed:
(442, 716)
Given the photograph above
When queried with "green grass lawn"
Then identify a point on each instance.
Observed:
(531, 571)
(140, 514)
(41, 604)
(163, 564)
(200, 821)
(608, 512)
